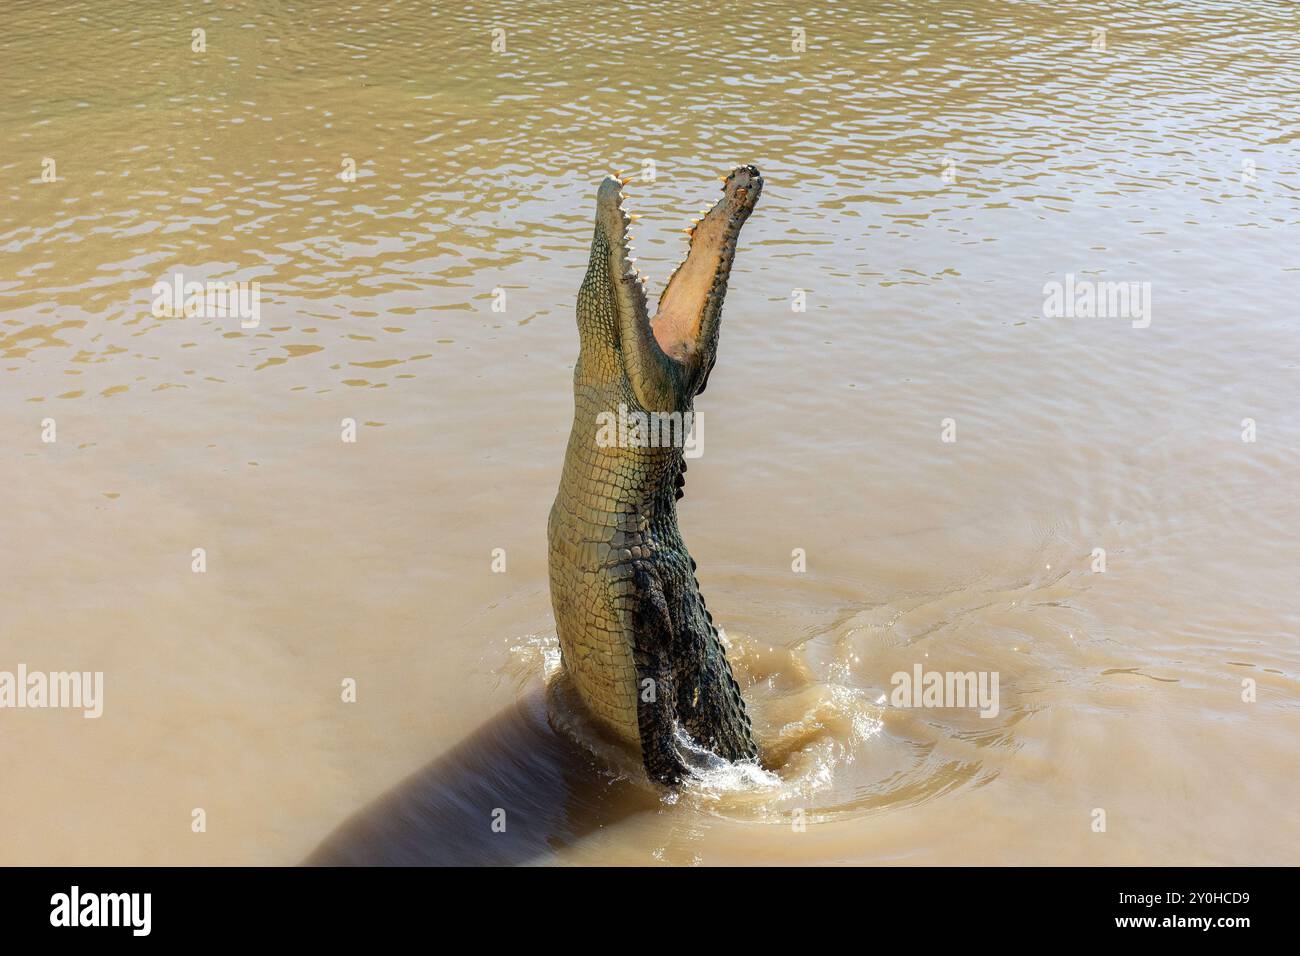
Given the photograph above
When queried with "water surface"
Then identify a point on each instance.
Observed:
(929, 168)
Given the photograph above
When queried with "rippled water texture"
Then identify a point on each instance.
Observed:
(929, 168)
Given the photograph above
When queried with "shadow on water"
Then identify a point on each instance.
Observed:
(553, 794)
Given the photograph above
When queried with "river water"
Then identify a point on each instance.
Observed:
(1098, 506)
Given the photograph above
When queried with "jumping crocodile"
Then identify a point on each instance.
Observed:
(635, 638)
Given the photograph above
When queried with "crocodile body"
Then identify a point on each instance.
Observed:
(635, 638)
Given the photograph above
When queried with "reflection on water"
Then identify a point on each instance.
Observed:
(541, 792)
(417, 208)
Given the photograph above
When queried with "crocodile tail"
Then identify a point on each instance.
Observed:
(727, 729)
(656, 681)
(709, 703)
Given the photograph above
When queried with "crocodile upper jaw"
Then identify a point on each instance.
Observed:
(700, 282)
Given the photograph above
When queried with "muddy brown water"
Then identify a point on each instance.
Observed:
(930, 170)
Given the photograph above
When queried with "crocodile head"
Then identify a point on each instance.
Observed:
(666, 358)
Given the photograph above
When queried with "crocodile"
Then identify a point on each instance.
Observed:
(636, 640)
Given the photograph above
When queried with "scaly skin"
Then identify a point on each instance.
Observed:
(635, 637)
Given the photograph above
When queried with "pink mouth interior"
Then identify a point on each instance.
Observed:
(676, 326)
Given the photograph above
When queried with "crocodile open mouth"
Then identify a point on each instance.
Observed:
(699, 282)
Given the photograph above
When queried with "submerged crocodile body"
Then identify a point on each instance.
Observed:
(635, 638)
